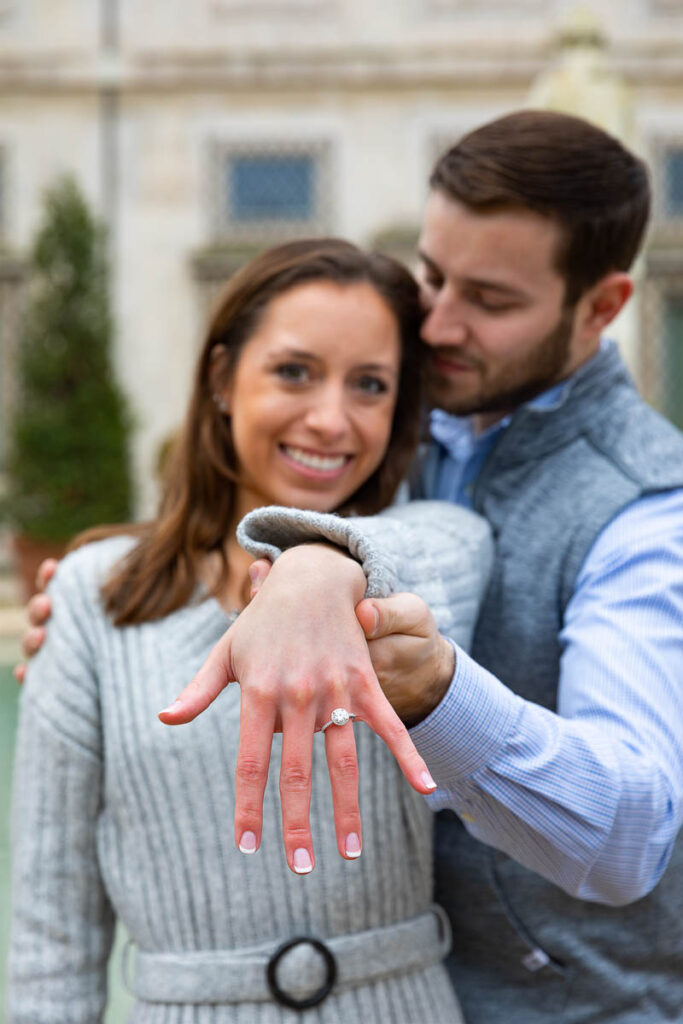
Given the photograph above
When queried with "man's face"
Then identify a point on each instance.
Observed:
(496, 323)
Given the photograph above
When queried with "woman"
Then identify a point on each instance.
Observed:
(306, 396)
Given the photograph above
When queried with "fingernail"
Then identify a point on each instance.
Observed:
(375, 615)
(248, 842)
(302, 861)
(352, 845)
(428, 781)
(171, 707)
(253, 573)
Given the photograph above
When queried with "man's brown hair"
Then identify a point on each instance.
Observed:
(563, 168)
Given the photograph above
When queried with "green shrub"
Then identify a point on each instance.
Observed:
(68, 455)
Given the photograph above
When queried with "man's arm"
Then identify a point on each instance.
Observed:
(591, 797)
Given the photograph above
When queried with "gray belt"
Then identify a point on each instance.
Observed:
(299, 973)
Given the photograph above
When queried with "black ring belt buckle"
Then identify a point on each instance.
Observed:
(283, 997)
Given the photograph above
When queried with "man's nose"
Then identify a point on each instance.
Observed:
(444, 325)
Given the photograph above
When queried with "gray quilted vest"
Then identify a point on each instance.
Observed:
(524, 951)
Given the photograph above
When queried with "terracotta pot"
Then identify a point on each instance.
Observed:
(28, 554)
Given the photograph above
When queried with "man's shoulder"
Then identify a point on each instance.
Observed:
(641, 443)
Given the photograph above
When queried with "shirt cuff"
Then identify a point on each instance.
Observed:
(471, 724)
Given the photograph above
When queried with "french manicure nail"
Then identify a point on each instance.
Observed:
(302, 861)
(248, 842)
(171, 707)
(428, 781)
(352, 845)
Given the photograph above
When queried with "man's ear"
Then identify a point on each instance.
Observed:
(219, 377)
(601, 303)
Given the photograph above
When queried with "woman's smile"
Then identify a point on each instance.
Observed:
(315, 463)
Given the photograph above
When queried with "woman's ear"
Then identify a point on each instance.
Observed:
(219, 379)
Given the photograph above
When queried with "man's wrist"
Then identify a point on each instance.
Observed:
(431, 695)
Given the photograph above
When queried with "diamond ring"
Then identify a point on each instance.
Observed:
(340, 716)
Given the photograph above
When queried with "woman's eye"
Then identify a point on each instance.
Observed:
(371, 385)
(293, 373)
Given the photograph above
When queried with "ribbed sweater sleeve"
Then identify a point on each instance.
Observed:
(433, 549)
(62, 923)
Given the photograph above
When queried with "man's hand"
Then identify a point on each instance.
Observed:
(298, 652)
(413, 662)
(38, 611)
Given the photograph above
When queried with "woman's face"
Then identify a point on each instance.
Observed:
(312, 397)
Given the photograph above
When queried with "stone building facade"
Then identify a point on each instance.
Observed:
(202, 131)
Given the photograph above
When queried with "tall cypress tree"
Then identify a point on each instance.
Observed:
(68, 461)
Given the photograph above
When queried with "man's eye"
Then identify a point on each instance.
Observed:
(491, 305)
(293, 373)
(432, 281)
(372, 385)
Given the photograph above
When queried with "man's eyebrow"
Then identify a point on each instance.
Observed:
(429, 263)
(496, 286)
(476, 282)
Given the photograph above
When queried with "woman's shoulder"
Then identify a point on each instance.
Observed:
(84, 570)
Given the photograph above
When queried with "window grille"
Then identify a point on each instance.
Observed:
(265, 192)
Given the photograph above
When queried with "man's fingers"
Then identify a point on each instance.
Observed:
(39, 609)
(212, 678)
(295, 787)
(46, 571)
(19, 672)
(400, 613)
(383, 720)
(258, 573)
(342, 762)
(251, 773)
(32, 640)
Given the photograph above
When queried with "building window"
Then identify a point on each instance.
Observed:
(277, 187)
(672, 197)
(269, 192)
(671, 384)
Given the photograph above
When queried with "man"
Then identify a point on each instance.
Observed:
(558, 745)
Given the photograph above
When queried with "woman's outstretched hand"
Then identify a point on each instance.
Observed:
(298, 653)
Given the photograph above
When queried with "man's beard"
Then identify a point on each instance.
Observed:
(537, 371)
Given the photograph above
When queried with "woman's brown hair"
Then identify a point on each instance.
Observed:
(160, 574)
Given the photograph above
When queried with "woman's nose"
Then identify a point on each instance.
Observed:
(328, 414)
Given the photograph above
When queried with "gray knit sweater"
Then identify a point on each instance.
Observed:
(117, 814)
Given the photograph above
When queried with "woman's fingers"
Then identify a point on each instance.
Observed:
(383, 720)
(257, 725)
(212, 678)
(298, 725)
(342, 763)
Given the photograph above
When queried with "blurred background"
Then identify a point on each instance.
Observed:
(199, 133)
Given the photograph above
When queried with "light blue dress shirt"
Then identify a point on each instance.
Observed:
(591, 797)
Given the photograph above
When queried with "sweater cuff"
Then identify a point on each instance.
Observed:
(471, 724)
(267, 532)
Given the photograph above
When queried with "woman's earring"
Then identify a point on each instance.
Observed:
(221, 404)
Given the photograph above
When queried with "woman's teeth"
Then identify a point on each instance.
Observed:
(321, 462)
